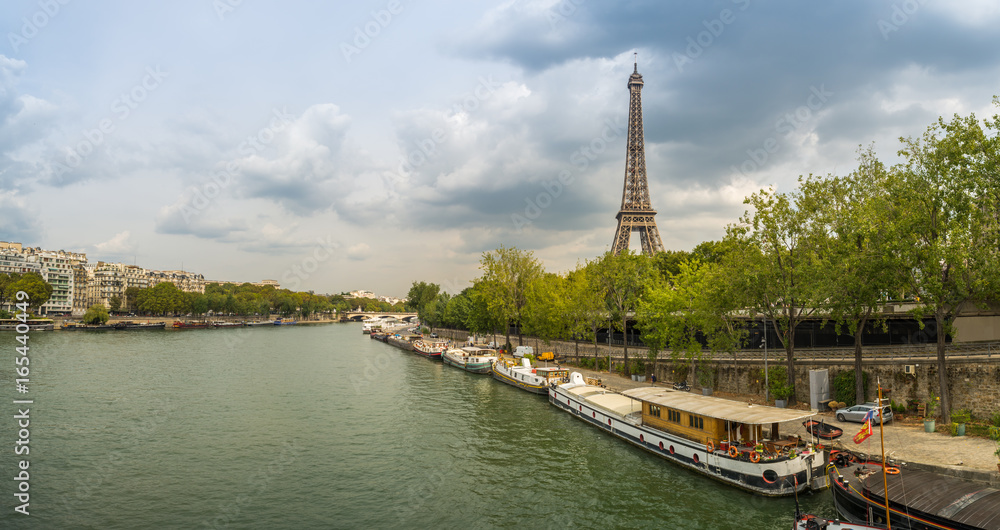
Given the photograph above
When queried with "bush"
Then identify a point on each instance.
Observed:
(961, 416)
(995, 419)
(843, 386)
(637, 367)
(587, 362)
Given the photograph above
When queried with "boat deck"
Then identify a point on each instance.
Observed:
(964, 502)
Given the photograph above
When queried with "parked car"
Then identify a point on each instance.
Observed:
(521, 351)
(858, 412)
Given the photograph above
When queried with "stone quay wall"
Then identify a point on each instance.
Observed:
(974, 380)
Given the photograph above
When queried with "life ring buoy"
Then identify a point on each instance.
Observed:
(891, 470)
(733, 451)
(754, 457)
(710, 446)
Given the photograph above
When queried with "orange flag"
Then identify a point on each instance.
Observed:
(864, 433)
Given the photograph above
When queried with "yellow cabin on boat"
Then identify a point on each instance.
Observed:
(704, 418)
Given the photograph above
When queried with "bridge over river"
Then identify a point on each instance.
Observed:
(358, 316)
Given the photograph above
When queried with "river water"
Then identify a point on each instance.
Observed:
(321, 427)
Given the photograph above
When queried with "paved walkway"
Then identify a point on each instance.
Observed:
(967, 457)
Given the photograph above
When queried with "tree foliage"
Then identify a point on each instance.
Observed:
(96, 314)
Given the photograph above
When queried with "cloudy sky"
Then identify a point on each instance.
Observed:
(334, 148)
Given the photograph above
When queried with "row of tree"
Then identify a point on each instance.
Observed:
(244, 299)
(840, 248)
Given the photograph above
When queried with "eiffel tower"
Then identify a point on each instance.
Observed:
(636, 214)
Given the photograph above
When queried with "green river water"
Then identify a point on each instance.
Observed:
(321, 427)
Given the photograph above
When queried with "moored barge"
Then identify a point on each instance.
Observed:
(526, 377)
(918, 500)
(471, 359)
(719, 438)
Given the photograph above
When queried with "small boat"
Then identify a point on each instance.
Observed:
(820, 429)
(471, 359)
(281, 322)
(805, 521)
(432, 349)
(261, 323)
(527, 377)
(719, 438)
(190, 325)
(127, 325)
(87, 327)
(225, 324)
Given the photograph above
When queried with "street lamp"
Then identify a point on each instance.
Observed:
(767, 385)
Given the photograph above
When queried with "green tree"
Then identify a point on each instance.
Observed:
(587, 308)
(771, 259)
(114, 303)
(480, 319)
(131, 294)
(6, 280)
(507, 273)
(855, 217)
(96, 314)
(694, 306)
(623, 279)
(547, 308)
(420, 295)
(457, 310)
(37, 289)
(946, 224)
(199, 304)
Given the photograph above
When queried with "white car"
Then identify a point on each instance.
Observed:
(857, 413)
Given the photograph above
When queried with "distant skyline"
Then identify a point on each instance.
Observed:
(365, 145)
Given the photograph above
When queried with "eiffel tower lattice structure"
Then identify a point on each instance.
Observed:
(636, 214)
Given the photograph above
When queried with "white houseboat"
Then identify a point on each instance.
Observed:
(716, 437)
(471, 359)
(525, 377)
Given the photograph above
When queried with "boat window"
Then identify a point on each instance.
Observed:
(654, 411)
(673, 416)
(696, 421)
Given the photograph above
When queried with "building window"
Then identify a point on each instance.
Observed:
(696, 421)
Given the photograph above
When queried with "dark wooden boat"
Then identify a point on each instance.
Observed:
(918, 500)
(820, 429)
(190, 325)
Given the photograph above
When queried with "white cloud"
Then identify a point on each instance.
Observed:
(119, 244)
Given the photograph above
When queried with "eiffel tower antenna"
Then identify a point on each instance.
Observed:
(636, 214)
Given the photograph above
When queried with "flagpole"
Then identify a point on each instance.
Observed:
(881, 437)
